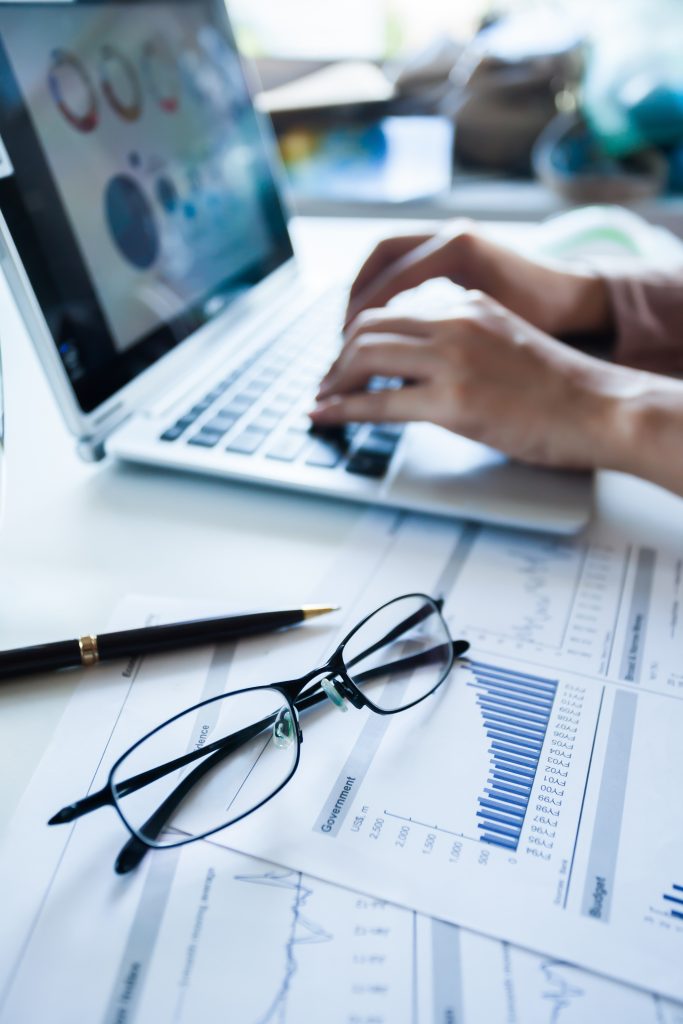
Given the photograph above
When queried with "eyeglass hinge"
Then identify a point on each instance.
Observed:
(348, 691)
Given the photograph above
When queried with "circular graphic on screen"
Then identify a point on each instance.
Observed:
(120, 84)
(167, 194)
(211, 72)
(131, 221)
(217, 49)
(194, 179)
(202, 80)
(72, 91)
(161, 74)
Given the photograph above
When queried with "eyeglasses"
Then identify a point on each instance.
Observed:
(213, 764)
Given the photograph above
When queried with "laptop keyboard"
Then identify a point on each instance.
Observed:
(259, 408)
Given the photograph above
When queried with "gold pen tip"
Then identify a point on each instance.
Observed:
(311, 611)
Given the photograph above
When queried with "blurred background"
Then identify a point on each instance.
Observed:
(378, 29)
(512, 108)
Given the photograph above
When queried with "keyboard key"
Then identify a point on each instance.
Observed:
(366, 464)
(187, 420)
(205, 439)
(288, 447)
(268, 373)
(333, 435)
(255, 388)
(266, 421)
(278, 407)
(238, 405)
(324, 454)
(181, 425)
(391, 430)
(200, 407)
(247, 442)
(221, 423)
(301, 425)
(217, 391)
(377, 447)
(173, 433)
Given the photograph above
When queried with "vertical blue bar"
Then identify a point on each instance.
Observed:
(515, 708)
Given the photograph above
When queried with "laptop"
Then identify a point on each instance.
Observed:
(145, 239)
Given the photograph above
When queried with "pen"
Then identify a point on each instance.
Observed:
(131, 643)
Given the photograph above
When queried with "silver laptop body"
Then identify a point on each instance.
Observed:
(145, 241)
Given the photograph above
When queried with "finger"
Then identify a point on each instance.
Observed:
(386, 321)
(379, 356)
(401, 406)
(389, 250)
(430, 259)
(381, 321)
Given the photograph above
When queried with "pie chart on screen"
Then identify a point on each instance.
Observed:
(72, 91)
(161, 74)
(131, 222)
(120, 84)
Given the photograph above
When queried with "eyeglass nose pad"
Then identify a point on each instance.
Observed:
(330, 690)
(284, 730)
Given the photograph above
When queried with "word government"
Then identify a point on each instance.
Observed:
(328, 825)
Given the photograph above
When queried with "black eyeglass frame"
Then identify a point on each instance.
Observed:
(335, 668)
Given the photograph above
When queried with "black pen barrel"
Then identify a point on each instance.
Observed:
(28, 661)
(130, 643)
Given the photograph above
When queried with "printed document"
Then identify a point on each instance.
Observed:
(590, 875)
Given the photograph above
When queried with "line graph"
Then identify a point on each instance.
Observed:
(303, 931)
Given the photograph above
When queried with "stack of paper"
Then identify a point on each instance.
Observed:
(382, 917)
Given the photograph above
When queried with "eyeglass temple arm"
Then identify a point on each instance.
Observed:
(402, 627)
(135, 849)
(411, 661)
(104, 796)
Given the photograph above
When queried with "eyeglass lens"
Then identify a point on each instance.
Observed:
(400, 654)
(231, 754)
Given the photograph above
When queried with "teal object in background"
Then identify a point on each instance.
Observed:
(632, 95)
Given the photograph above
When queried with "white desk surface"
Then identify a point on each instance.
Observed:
(77, 538)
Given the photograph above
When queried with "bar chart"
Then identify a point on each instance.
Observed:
(674, 901)
(516, 709)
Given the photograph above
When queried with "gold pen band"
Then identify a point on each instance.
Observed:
(89, 652)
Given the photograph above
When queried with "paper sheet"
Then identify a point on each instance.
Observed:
(207, 934)
(588, 870)
(205, 928)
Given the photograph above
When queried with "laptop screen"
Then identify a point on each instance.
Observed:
(142, 200)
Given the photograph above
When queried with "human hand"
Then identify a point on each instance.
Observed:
(485, 373)
(557, 300)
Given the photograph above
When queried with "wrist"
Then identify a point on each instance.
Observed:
(581, 304)
(649, 443)
(611, 407)
(639, 426)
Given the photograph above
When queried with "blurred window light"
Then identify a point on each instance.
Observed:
(325, 29)
(357, 28)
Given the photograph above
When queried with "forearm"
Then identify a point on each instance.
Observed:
(642, 430)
